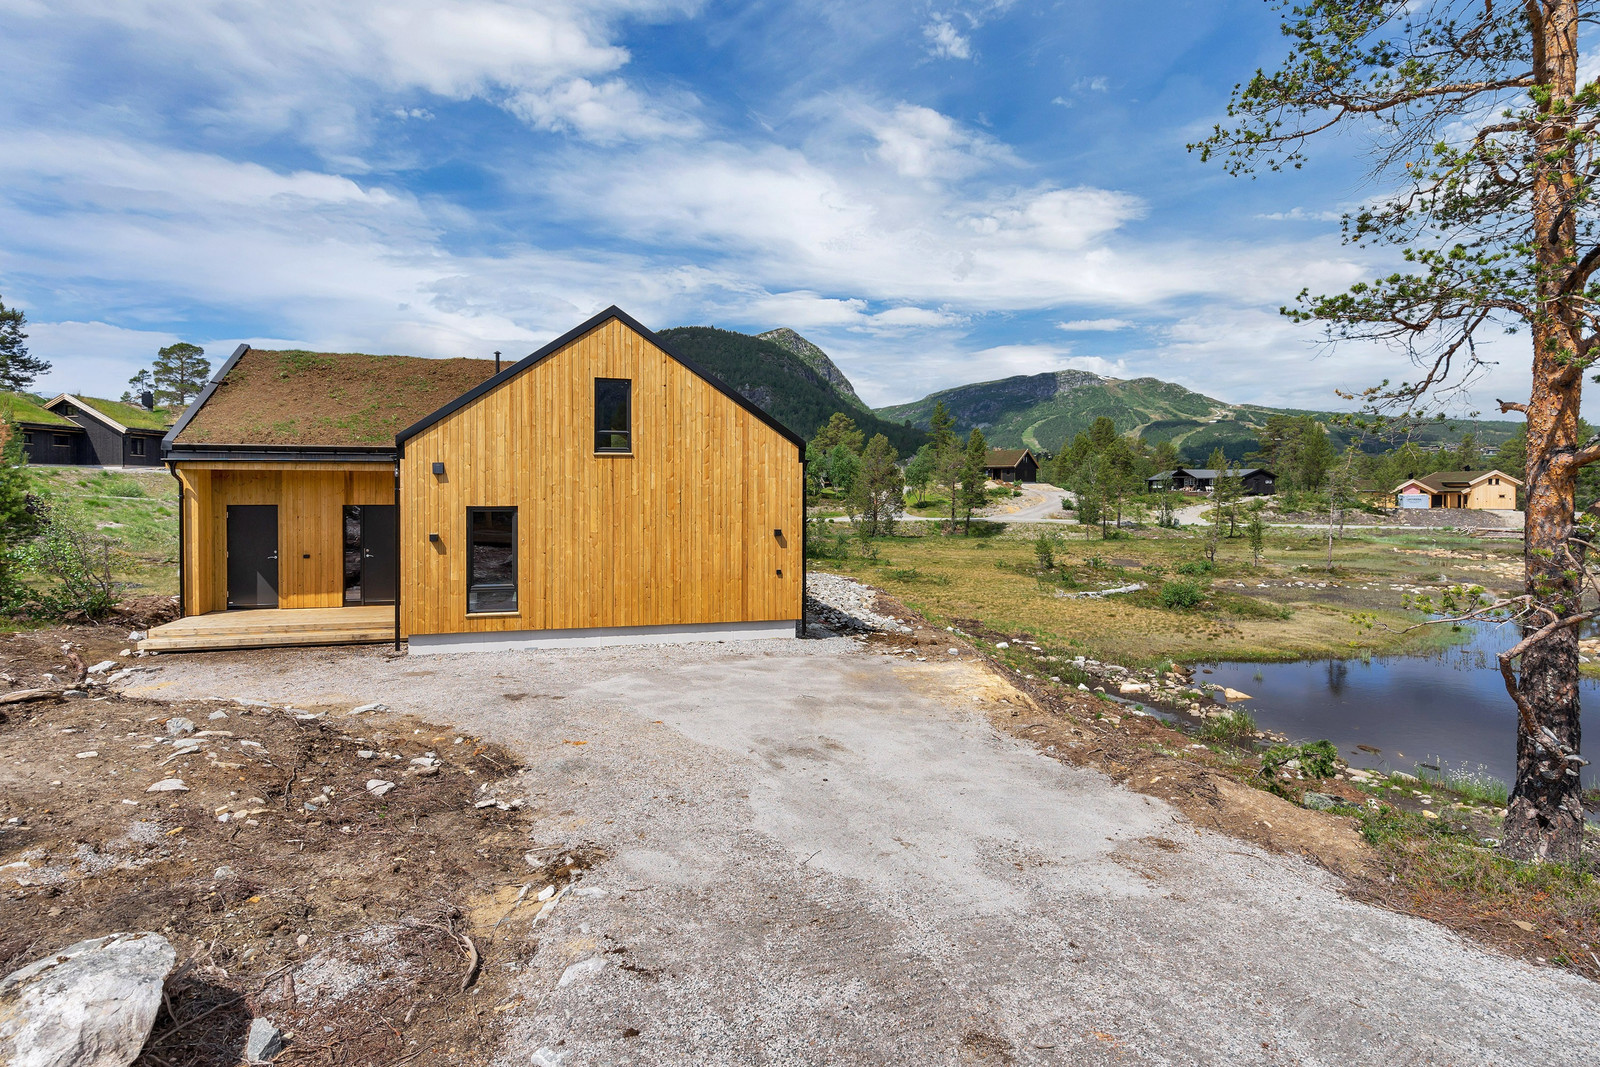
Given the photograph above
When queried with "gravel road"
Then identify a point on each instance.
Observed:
(815, 854)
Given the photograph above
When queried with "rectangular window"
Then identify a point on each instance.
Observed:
(136, 446)
(491, 560)
(613, 415)
(27, 438)
(61, 440)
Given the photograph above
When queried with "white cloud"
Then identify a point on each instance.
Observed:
(945, 41)
(95, 358)
(1300, 214)
(1099, 83)
(919, 142)
(313, 67)
(1095, 325)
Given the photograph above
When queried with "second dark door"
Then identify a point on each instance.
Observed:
(369, 554)
(252, 556)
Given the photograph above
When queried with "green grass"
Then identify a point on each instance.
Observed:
(1475, 785)
(137, 508)
(994, 577)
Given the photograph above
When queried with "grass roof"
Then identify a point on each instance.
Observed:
(327, 398)
(132, 416)
(20, 407)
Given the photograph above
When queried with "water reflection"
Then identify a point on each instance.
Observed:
(1390, 713)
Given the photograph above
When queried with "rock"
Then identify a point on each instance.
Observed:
(1234, 694)
(363, 709)
(168, 785)
(1132, 688)
(1003, 644)
(378, 787)
(216, 715)
(546, 893)
(103, 665)
(89, 1005)
(545, 1056)
(177, 726)
(1430, 815)
(263, 1042)
(222, 874)
(1320, 801)
(581, 969)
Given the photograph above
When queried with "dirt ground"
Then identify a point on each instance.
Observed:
(353, 921)
(825, 851)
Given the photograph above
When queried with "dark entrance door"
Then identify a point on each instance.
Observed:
(252, 556)
(369, 556)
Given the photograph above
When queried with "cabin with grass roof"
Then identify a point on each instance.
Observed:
(114, 434)
(601, 490)
(47, 437)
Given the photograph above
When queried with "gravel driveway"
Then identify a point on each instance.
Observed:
(814, 854)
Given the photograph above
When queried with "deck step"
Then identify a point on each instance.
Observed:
(215, 641)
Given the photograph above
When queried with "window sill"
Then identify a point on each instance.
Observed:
(494, 614)
(619, 455)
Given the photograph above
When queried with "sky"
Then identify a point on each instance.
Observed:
(935, 194)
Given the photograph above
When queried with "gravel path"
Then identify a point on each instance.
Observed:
(815, 854)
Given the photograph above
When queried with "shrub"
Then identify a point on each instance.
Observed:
(1197, 568)
(1236, 725)
(1044, 549)
(1182, 593)
(80, 560)
(1319, 759)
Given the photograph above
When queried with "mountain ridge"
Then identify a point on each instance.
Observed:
(817, 360)
(1044, 411)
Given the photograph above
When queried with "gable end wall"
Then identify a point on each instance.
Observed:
(678, 533)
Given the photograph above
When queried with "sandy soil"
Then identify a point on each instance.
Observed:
(813, 852)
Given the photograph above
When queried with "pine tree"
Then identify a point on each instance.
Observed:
(179, 372)
(877, 496)
(974, 484)
(18, 367)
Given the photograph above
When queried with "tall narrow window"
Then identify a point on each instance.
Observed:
(613, 415)
(491, 560)
(136, 446)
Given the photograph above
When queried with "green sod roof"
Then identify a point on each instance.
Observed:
(22, 408)
(132, 416)
(327, 398)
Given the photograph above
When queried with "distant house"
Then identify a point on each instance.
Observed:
(1488, 490)
(1257, 480)
(47, 438)
(114, 434)
(1011, 465)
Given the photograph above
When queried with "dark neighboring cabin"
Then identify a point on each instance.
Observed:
(1011, 465)
(47, 437)
(113, 434)
(1257, 481)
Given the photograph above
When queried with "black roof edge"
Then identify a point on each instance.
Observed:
(199, 401)
(282, 453)
(589, 326)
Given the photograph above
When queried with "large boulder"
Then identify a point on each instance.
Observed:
(90, 1005)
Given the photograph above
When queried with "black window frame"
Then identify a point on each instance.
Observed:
(136, 446)
(27, 437)
(612, 433)
(61, 440)
(474, 586)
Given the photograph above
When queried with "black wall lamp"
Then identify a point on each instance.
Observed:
(438, 468)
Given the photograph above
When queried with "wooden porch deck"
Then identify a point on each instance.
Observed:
(273, 628)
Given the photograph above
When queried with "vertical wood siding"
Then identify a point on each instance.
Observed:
(310, 498)
(678, 532)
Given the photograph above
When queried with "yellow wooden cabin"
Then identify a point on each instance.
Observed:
(601, 490)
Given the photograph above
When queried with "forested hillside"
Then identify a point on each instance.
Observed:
(1043, 411)
(781, 383)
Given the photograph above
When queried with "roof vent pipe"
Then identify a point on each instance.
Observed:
(497, 361)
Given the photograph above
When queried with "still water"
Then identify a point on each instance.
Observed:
(1448, 709)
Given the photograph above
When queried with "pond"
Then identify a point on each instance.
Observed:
(1447, 709)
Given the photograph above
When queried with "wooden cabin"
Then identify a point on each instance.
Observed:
(47, 437)
(601, 490)
(114, 434)
(1257, 481)
(1011, 465)
(1487, 490)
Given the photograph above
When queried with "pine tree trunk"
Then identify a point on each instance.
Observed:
(1545, 816)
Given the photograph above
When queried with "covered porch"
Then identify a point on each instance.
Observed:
(360, 624)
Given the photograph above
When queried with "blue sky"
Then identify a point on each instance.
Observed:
(934, 193)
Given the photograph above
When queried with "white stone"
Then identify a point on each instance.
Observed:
(580, 970)
(263, 1042)
(103, 665)
(168, 785)
(546, 893)
(378, 787)
(89, 1005)
(363, 709)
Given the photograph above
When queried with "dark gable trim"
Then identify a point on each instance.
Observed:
(568, 338)
(199, 401)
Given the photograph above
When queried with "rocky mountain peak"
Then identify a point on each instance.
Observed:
(816, 359)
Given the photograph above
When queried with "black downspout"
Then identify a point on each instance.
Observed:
(398, 584)
(183, 589)
(805, 535)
